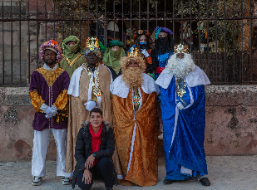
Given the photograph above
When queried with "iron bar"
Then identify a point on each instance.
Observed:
(139, 16)
(122, 22)
(156, 14)
(45, 21)
(216, 38)
(71, 16)
(165, 12)
(54, 19)
(242, 12)
(190, 5)
(96, 18)
(208, 38)
(20, 40)
(88, 28)
(37, 37)
(3, 39)
(114, 17)
(173, 20)
(105, 26)
(234, 59)
(148, 15)
(251, 61)
(11, 46)
(181, 28)
(28, 58)
(80, 21)
(225, 28)
(128, 19)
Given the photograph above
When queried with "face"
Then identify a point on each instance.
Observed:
(95, 119)
(180, 55)
(49, 57)
(115, 48)
(92, 59)
(132, 63)
(71, 43)
(143, 39)
(162, 34)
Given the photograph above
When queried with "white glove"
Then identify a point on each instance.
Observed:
(48, 113)
(146, 54)
(90, 105)
(51, 111)
(180, 106)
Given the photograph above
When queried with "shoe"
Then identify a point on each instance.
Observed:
(37, 181)
(108, 188)
(168, 181)
(65, 180)
(205, 181)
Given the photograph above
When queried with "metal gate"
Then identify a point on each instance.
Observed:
(221, 33)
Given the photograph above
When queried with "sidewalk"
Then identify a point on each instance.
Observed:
(225, 173)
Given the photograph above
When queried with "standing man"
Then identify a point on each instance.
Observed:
(89, 88)
(183, 115)
(48, 93)
(72, 55)
(135, 121)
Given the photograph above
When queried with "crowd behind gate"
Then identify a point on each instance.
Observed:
(107, 107)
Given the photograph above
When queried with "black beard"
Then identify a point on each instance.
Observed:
(50, 63)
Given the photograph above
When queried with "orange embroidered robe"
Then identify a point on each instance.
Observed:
(136, 135)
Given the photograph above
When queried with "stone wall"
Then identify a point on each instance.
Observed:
(231, 122)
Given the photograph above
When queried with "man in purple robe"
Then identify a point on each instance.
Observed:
(48, 93)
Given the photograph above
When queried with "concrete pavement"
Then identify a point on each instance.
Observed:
(225, 173)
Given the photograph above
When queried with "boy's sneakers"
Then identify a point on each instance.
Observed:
(37, 181)
(65, 181)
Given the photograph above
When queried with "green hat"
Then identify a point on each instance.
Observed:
(115, 43)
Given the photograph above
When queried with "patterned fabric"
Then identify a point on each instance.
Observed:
(50, 76)
(54, 46)
(133, 130)
(36, 100)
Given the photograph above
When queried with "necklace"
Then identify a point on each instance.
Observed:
(136, 98)
(95, 85)
(180, 87)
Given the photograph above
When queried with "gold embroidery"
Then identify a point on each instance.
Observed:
(36, 100)
(62, 100)
(50, 76)
(71, 63)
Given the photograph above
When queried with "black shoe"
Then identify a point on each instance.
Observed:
(108, 188)
(168, 181)
(205, 181)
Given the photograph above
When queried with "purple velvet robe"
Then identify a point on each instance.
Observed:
(49, 94)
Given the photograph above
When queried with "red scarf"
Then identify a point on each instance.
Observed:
(96, 140)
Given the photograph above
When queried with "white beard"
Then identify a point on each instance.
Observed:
(180, 67)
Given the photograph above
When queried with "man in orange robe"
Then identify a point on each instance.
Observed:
(135, 121)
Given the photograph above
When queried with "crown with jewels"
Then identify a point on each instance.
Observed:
(180, 48)
(92, 43)
(134, 53)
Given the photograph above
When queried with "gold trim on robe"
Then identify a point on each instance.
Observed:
(36, 100)
(50, 76)
(74, 60)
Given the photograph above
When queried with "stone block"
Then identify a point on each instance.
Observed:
(18, 96)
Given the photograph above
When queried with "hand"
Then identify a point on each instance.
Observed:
(146, 54)
(180, 106)
(87, 176)
(48, 113)
(89, 162)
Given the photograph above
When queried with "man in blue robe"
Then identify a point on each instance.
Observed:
(183, 116)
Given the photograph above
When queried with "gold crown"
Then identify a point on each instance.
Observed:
(180, 48)
(134, 53)
(92, 43)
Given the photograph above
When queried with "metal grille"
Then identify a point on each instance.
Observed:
(221, 33)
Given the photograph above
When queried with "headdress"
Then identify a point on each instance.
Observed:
(69, 51)
(92, 45)
(134, 52)
(142, 32)
(180, 48)
(116, 43)
(162, 29)
(53, 46)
